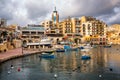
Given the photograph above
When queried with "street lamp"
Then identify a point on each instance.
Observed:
(23, 45)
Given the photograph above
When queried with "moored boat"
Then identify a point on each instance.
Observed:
(107, 46)
(60, 50)
(47, 55)
(81, 47)
(87, 46)
(74, 48)
(85, 57)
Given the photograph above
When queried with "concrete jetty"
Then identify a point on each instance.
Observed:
(15, 53)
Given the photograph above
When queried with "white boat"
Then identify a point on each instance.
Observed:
(48, 54)
(85, 50)
(107, 46)
(87, 46)
(64, 42)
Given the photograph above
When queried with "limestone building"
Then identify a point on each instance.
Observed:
(113, 34)
(93, 30)
(32, 33)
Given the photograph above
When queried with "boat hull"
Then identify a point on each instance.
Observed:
(47, 55)
(74, 49)
(81, 47)
(109, 46)
(85, 57)
(60, 50)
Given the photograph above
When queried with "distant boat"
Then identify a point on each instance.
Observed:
(107, 46)
(85, 56)
(87, 46)
(60, 50)
(64, 42)
(67, 47)
(81, 47)
(49, 51)
(94, 46)
(74, 48)
(85, 50)
(47, 55)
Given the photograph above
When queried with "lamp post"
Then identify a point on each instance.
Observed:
(22, 47)
(22, 50)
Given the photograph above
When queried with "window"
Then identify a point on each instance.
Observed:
(83, 25)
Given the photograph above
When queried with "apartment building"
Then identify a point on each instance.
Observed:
(93, 30)
(113, 34)
(32, 33)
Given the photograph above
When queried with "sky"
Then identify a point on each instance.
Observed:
(23, 12)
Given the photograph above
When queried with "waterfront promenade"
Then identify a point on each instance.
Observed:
(14, 53)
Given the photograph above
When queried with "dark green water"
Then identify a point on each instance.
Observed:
(103, 65)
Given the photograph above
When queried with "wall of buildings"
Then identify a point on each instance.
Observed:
(113, 34)
(84, 26)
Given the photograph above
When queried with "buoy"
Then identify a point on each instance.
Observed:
(55, 75)
(18, 69)
(9, 72)
(12, 66)
(110, 69)
(78, 67)
(100, 75)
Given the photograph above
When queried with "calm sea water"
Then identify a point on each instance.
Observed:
(103, 65)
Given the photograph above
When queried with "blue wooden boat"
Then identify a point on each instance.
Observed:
(85, 57)
(67, 47)
(47, 55)
(81, 47)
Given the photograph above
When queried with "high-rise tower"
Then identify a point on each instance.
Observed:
(55, 18)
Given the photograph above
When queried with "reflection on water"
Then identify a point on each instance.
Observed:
(103, 65)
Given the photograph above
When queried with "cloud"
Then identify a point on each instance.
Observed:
(6, 9)
(33, 11)
(95, 8)
(38, 9)
(115, 18)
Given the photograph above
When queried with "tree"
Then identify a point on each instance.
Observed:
(4, 34)
(76, 40)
